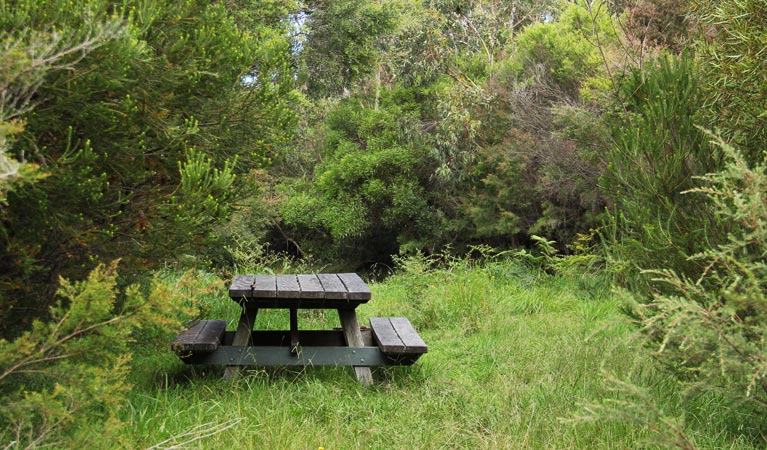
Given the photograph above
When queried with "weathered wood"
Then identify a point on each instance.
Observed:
(287, 287)
(205, 336)
(246, 286)
(242, 336)
(310, 286)
(355, 286)
(396, 335)
(310, 338)
(242, 286)
(385, 336)
(389, 341)
(300, 291)
(333, 286)
(264, 286)
(353, 336)
(281, 356)
(294, 343)
(406, 332)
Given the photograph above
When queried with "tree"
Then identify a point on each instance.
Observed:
(370, 196)
(342, 44)
(139, 139)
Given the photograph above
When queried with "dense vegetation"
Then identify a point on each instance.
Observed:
(149, 149)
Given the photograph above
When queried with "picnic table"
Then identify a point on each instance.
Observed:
(388, 340)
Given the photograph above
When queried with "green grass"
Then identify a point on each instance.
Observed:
(513, 357)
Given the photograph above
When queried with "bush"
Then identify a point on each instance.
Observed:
(75, 366)
(106, 100)
(369, 196)
(730, 46)
(711, 330)
(657, 152)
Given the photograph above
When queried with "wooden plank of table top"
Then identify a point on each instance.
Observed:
(287, 286)
(409, 336)
(241, 286)
(263, 286)
(252, 286)
(355, 286)
(333, 286)
(310, 286)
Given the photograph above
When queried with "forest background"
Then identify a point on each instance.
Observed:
(618, 138)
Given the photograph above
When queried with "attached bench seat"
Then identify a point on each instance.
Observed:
(397, 339)
(389, 341)
(204, 337)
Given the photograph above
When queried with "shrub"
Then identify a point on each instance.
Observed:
(106, 99)
(75, 365)
(730, 46)
(657, 152)
(369, 196)
(711, 330)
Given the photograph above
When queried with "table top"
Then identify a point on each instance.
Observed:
(325, 290)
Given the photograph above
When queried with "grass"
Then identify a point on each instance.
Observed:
(513, 358)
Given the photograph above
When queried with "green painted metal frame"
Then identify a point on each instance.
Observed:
(305, 356)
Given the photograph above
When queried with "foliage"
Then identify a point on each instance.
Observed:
(730, 45)
(75, 365)
(539, 148)
(658, 150)
(568, 49)
(496, 137)
(653, 25)
(711, 330)
(372, 183)
(147, 85)
(26, 60)
(343, 43)
(203, 199)
(636, 404)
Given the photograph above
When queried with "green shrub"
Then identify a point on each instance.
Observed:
(730, 46)
(710, 330)
(106, 99)
(369, 196)
(657, 152)
(74, 367)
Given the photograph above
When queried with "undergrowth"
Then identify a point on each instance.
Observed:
(518, 358)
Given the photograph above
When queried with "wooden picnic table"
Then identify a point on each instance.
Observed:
(388, 340)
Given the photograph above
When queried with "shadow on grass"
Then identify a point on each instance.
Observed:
(389, 376)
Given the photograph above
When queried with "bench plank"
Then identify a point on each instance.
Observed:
(355, 286)
(203, 337)
(310, 286)
(396, 335)
(385, 336)
(406, 332)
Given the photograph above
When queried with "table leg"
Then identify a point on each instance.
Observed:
(295, 348)
(353, 338)
(242, 336)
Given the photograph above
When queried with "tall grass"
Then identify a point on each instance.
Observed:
(514, 355)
